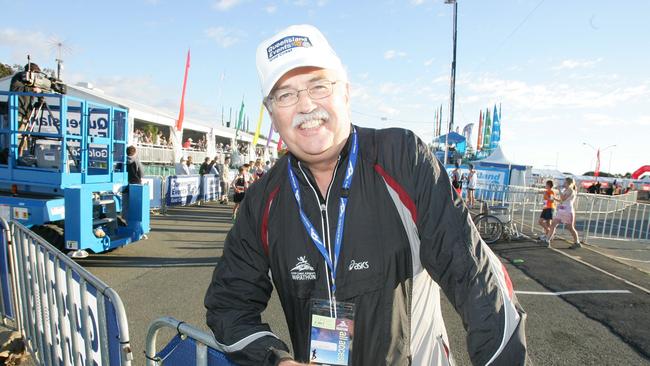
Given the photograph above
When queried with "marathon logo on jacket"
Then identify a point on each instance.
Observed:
(358, 266)
(303, 271)
(285, 45)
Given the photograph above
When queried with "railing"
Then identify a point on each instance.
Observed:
(155, 154)
(190, 346)
(66, 315)
(617, 217)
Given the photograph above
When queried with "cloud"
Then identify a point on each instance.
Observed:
(388, 110)
(271, 9)
(554, 94)
(391, 54)
(573, 64)
(391, 88)
(225, 5)
(429, 62)
(417, 2)
(223, 36)
(21, 43)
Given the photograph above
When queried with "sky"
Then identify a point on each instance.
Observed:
(571, 76)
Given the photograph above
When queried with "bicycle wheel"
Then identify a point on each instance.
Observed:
(490, 228)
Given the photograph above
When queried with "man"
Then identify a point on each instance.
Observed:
(205, 166)
(133, 166)
(26, 106)
(190, 165)
(182, 168)
(226, 178)
(356, 228)
(135, 172)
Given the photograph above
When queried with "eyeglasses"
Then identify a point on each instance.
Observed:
(288, 97)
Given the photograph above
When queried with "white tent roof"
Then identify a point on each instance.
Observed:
(498, 157)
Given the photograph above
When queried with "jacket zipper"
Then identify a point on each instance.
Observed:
(324, 222)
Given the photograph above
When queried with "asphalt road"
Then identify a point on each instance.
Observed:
(167, 275)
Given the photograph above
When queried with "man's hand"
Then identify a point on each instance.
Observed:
(291, 363)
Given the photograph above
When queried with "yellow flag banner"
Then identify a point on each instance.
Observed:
(259, 126)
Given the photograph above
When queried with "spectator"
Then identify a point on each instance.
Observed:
(457, 178)
(188, 143)
(226, 178)
(471, 185)
(190, 165)
(182, 168)
(134, 168)
(205, 166)
(214, 167)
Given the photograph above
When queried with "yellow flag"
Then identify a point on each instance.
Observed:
(259, 126)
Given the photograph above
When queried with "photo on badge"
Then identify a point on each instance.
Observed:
(331, 333)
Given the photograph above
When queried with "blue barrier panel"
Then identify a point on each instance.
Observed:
(182, 190)
(155, 190)
(210, 188)
(179, 352)
(5, 279)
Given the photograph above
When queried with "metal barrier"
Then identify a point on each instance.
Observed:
(6, 295)
(190, 346)
(66, 315)
(617, 217)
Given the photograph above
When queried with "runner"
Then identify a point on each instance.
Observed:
(566, 213)
(547, 212)
(240, 185)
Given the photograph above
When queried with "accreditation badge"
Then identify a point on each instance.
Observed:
(332, 331)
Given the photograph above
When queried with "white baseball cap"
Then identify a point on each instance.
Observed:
(296, 46)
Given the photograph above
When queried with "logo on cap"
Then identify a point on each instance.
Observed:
(285, 45)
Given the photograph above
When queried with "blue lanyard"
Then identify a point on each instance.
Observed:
(343, 201)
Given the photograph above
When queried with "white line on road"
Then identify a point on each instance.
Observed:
(560, 293)
(629, 259)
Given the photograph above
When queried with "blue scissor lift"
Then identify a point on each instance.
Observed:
(63, 172)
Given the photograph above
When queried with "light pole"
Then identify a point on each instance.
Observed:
(452, 91)
(598, 151)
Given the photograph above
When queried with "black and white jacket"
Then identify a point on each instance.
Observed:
(407, 235)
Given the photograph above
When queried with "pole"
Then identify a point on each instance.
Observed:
(452, 92)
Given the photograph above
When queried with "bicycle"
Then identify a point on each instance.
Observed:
(495, 222)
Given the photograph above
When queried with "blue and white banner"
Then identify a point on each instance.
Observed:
(210, 188)
(182, 190)
(486, 177)
(155, 190)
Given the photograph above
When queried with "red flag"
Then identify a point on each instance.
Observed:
(280, 144)
(181, 113)
(597, 170)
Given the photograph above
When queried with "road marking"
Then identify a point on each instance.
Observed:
(561, 293)
(647, 291)
(602, 271)
(628, 259)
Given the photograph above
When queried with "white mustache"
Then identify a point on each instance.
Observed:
(314, 115)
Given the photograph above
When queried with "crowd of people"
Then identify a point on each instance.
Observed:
(611, 189)
(142, 137)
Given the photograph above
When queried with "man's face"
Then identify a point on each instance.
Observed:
(316, 139)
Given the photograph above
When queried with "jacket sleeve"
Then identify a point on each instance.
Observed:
(470, 274)
(239, 292)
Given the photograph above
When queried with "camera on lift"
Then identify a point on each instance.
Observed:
(44, 82)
